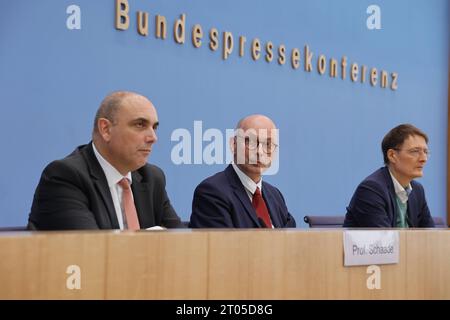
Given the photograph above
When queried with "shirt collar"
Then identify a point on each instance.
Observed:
(248, 183)
(402, 193)
(112, 175)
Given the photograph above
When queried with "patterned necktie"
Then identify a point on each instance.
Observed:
(128, 205)
(261, 208)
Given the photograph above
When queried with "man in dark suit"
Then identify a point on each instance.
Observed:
(90, 188)
(237, 197)
(390, 197)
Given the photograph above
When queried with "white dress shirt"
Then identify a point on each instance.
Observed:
(402, 193)
(113, 177)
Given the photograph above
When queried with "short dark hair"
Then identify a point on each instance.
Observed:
(396, 136)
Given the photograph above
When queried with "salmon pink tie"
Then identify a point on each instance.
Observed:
(128, 205)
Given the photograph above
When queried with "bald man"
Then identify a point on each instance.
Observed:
(107, 184)
(238, 197)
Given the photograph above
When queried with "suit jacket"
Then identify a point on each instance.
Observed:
(73, 193)
(221, 201)
(374, 205)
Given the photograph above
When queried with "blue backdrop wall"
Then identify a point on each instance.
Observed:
(52, 79)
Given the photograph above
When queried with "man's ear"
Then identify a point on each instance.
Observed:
(233, 145)
(104, 128)
(392, 156)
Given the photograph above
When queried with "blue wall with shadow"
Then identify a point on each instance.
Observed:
(52, 80)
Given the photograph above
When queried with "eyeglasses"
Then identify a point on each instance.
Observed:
(252, 144)
(415, 152)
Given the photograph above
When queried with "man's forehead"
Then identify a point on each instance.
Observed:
(258, 133)
(138, 108)
(414, 140)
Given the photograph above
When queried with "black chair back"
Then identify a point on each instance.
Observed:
(324, 221)
(439, 222)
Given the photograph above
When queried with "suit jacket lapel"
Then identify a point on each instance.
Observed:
(142, 200)
(412, 212)
(391, 190)
(241, 194)
(270, 203)
(101, 184)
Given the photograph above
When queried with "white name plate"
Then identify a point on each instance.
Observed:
(369, 247)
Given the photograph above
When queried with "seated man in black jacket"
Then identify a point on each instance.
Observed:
(108, 184)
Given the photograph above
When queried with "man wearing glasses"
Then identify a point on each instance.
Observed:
(389, 197)
(238, 197)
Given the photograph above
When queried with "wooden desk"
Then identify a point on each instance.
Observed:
(216, 264)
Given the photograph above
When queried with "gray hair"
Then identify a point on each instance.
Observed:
(110, 106)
